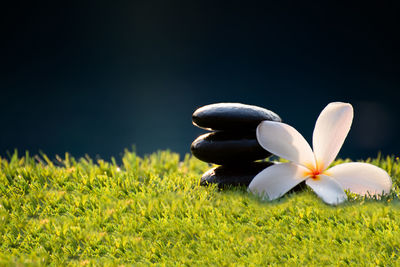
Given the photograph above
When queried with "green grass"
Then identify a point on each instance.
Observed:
(151, 210)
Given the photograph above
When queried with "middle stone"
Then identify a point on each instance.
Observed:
(228, 148)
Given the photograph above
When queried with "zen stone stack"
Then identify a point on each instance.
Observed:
(232, 142)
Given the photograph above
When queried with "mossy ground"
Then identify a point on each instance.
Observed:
(151, 210)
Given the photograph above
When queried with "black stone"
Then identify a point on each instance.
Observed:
(227, 148)
(238, 175)
(232, 116)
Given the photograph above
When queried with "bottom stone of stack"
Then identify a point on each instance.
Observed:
(237, 175)
(233, 175)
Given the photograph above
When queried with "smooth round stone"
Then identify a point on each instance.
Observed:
(227, 148)
(232, 116)
(238, 175)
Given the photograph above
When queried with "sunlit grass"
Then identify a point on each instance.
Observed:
(152, 210)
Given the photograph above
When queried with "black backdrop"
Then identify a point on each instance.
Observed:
(99, 77)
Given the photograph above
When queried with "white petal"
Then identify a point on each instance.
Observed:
(327, 189)
(275, 181)
(361, 178)
(285, 141)
(331, 129)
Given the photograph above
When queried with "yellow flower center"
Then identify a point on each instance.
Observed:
(314, 172)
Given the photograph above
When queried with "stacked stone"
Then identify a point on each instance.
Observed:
(232, 142)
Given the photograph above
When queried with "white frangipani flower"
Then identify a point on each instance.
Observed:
(330, 131)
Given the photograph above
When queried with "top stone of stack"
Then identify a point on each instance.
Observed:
(232, 116)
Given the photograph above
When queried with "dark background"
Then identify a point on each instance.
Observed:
(99, 77)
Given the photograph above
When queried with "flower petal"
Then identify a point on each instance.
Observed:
(327, 189)
(275, 181)
(285, 141)
(331, 129)
(361, 178)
